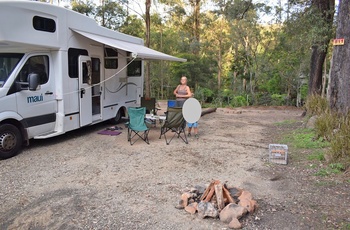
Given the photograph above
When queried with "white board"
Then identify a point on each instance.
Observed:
(192, 110)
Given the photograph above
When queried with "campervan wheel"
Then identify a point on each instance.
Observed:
(10, 141)
(118, 117)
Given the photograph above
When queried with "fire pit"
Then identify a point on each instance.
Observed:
(218, 200)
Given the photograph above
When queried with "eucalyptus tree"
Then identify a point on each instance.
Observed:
(111, 14)
(245, 38)
(321, 14)
(217, 44)
(134, 26)
(84, 7)
(339, 87)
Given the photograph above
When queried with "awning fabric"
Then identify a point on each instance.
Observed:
(137, 50)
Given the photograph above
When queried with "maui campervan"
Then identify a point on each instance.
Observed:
(60, 71)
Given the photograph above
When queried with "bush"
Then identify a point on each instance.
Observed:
(204, 94)
(239, 101)
(263, 99)
(316, 105)
(340, 142)
(278, 99)
(326, 123)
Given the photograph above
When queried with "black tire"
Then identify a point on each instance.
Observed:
(10, 141)
(118, 117)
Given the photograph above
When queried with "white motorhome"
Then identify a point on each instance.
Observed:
(60, 71)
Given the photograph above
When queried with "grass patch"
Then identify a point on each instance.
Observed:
(304, 139)
(317, 155)
(334, 168)
(345, 226)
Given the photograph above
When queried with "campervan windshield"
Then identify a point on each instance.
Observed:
(8, 62)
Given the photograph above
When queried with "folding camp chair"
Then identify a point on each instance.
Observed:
(136, 125)
(175, 123)
(150, 104)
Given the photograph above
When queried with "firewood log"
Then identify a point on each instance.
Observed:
(210, 110)
(219, 196)
(227, 195)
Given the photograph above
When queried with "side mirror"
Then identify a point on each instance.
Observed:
(33, 81)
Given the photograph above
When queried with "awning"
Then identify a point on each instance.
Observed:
(137, 50)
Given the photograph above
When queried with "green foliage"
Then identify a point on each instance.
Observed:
(326, 123)
(304, 92)
(304, 139)
(316, 105)
(203, 94)
(133, 26)
(239, 101)
(340, 142)
(278, 99)
(111, 15)
(335, 168)
(87, 8)
(317, 155)
(195, 69)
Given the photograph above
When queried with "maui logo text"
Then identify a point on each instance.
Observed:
(33, 99)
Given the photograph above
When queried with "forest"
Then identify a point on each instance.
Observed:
(239, 52)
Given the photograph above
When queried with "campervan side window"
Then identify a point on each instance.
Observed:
(35, 64)
(73, 61)
(44, 24)
(135, 68)
(111, 58)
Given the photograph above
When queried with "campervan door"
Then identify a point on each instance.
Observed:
(37, 106)
(85, 92)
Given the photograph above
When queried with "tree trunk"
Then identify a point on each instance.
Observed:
(324, 80)
(148, 41)
(339, 86)
(319, 50)
(196, 20)
(234, 82)
(219, 66)
(315, 80)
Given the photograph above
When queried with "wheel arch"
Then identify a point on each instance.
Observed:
(20, 126)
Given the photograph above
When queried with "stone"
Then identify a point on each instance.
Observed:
(246, 200)
(253, 205)
(232, 211)
(310, 124)
(245, 203)
(184, 197)
(235, 192)
(206, 209)
(191, 208)
(245, 195)
(180, 205)
(235, 224)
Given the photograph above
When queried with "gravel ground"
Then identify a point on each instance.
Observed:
(83, 180)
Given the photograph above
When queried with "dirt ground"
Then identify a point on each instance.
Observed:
(83, 180)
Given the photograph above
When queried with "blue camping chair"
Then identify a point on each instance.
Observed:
(136, 126)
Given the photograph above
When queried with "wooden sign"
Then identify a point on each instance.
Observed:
(338, 41)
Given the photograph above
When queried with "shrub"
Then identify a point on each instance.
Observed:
(239, 101)
(203, 94)
(326, 123)
(278, 99)
(316, 105)
(263, 99)
(340, 142)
